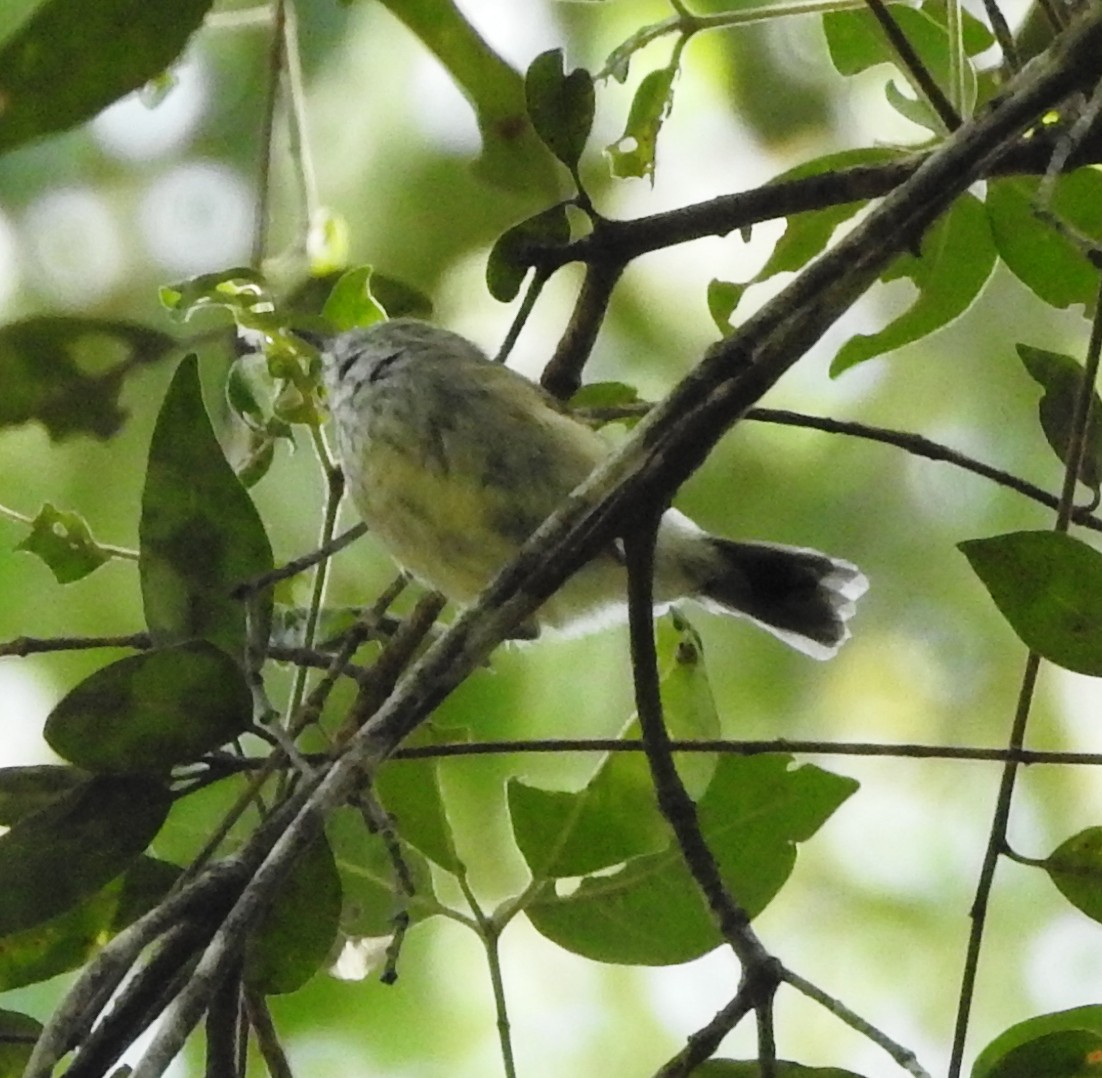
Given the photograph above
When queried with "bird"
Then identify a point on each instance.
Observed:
(453, 461)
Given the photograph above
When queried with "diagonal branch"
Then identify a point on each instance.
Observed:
(666, 447)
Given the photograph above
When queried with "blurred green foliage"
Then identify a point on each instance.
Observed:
(429, 163)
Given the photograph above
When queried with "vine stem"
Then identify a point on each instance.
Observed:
(489, 931)
(997, 841)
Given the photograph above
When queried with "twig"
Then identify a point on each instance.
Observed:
(299, 565)
(903, 1056)
(755, 748)
(563, 374)
(22, 646)
(760, 970)
(915, 444)
(704, 1043)
(997, 840)
(276, 56)
(912, 64)
(531, 294)
(267, 1039)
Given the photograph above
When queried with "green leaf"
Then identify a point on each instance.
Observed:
(1069, 1053)
(560, 105)
(57, 857)
(67, 941)
(1048, 586)
(351, 303)
(371, 894)
(1046, 262)
(67, 372)
(723, 298)
(63, 540)
(410, 792)
(297, 931)
(200, 534)
(650, 912)
(24, 790)
(615, 817)
(68, 61)
(1078, 1019)
(150, 711)
(730, 1068)
(857, 42)
(18, 1034)
(605, 395)
(805, 234)
(957, 259)
(1061, 376)
(508, 263)
(251, 394)
(633, 153)
(1075, 867)
(513, 157)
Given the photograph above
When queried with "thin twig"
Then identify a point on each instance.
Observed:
(299, 565)
(276, 56)
(759, 968)
(913, 65)
(997, 840)
(902, 1055)
(915, 444)
(267, 1039)
(704, 1042)
(22, 646)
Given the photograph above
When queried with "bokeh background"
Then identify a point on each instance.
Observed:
(94, 220)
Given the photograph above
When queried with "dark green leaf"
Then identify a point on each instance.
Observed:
(151, 711)
(27, 789)
(957, 259)
(298, 929)
(1069, 1053)
(508, 264)
(68, 61)
(200, 534)
(70, 939)
(351, 303)
(560, 105)
(67, 372)
(1036, 253)
(513, 157)
(1061, 376)
(633, 153)
(63, 540)
(56, 858)
(1049, 587)
(18, 1033)
(1031, 1030)
(650, 912)
(1075, 866)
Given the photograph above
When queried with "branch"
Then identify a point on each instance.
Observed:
(760, 970)
(666, 447)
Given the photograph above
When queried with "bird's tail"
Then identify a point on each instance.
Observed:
(801, 596)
